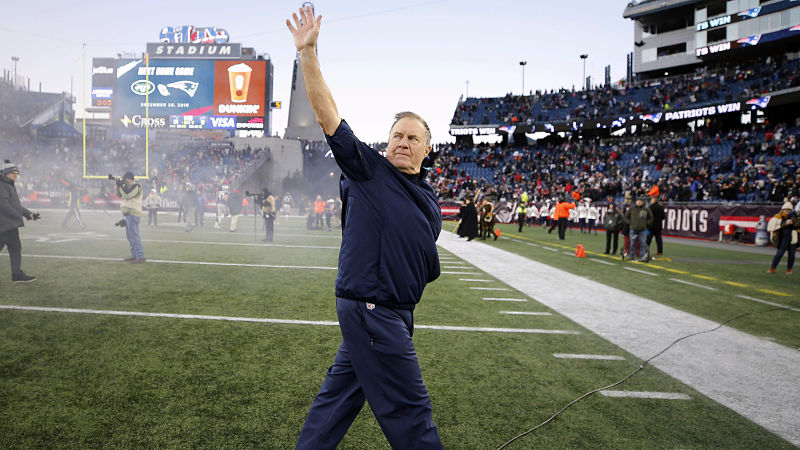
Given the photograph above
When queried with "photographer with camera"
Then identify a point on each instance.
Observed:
(131, 194)
(783, 233)
(268, 211)
(152, 202)
(11, 214)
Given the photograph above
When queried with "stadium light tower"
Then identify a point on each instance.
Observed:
(523, 64)
(15, 59)
(584, 57)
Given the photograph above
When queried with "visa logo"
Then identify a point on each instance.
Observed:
(223, 122)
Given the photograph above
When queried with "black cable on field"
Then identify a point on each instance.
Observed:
(641, 366)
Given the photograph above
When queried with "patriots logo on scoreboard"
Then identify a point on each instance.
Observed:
(751, 40)
(760, 102)
(189, 87)
(508, 128)
(655, 118)
(750, 13)
(795, 28)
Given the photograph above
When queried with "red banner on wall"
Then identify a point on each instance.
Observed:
(701, 221)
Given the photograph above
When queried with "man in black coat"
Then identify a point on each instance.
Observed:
(657, 225)
(11, 215)
(469, 220)
(612, 221)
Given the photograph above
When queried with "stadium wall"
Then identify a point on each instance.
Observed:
(687, 220)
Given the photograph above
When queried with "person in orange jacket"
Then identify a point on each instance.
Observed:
(561, 215)
(319, 209)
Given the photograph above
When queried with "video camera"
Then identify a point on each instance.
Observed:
(258, 197)
(117, 180)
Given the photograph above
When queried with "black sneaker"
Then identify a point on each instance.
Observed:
(138, 261)
(22, 277)
(128, 259)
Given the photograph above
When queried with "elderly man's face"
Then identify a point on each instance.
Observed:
(13, 176)
(407, 147)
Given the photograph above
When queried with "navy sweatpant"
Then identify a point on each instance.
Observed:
(377, 362)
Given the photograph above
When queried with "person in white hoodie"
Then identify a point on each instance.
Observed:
(533, 213)
(592, 215)
(582, 210)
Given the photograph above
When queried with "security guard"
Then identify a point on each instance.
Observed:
(522, 212)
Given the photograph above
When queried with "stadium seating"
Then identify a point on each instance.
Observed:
(725, 83)
(736, 166)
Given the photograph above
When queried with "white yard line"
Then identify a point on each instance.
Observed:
(580, 356)
(499, 299)
(526, 313)
(178, 241)
(478, 288)
(702, 286)
(641, 271)
(275, 321)
(750, 375)
(767, 303)
(646, 394)
(602, 262)
(475, 280)
(200, 263)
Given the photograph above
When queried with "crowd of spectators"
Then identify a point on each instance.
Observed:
(726, 82)
(208, 164)
(757, 164)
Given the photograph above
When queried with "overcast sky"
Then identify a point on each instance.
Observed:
(378, 57)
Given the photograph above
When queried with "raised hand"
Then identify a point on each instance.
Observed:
(305, 29)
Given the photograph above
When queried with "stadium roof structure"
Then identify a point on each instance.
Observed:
(643, 7)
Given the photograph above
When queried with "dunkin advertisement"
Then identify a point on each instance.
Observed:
(239, 88)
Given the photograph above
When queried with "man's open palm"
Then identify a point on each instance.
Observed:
(305, 29)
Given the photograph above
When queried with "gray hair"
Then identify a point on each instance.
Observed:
(411, 115)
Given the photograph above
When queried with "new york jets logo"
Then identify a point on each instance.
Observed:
(142, 87)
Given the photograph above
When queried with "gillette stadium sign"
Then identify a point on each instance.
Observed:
(158, 50)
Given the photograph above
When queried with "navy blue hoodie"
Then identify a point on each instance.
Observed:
(390, 223)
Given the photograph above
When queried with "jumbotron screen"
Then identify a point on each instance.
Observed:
(209, 94)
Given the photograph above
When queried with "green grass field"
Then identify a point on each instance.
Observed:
(80, 380)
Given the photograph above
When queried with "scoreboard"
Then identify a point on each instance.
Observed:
(182, 93)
